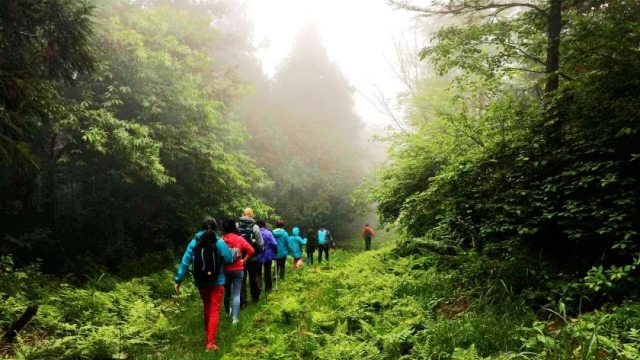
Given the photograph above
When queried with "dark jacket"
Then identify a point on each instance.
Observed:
(312, 241)
(255, 229)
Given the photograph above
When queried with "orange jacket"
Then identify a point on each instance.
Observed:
(367, 229)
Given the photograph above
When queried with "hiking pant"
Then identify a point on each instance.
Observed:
(252, 273)
(367, 244)
(268, 280)
(281, 263)
(321, 248)
(310, 252)
(233, 285)
(211, 301)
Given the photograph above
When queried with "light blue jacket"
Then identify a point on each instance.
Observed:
(187, 259)
(282, 238)
(295, 243)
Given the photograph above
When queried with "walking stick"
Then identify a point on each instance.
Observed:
(276, 275)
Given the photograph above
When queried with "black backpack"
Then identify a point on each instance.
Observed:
(245, 228)
(206, 259)
(367, 234)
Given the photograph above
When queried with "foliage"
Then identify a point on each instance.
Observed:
(380, 305)
(103, 320)
(141, 148)
(522, 174)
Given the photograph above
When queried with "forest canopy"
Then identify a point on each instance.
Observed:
(126, 122)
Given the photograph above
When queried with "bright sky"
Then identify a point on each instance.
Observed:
(357, 34)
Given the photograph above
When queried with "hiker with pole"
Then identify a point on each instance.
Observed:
(282, 238)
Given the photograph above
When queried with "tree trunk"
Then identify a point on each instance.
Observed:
(19, 324)
(553, 47)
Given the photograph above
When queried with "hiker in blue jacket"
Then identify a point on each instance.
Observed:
(295, 244)
(210, 292)
(282, 238)
(323, 244)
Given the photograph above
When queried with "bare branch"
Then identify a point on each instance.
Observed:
(463, 8)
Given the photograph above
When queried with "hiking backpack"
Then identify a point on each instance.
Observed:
(367, 233)
(245, 228)
(206, 259)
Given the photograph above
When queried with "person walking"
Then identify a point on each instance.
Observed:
(248, 229)
(234, 273)
(323, 245)
(295, 244)
(282, 238)
(269, 254)
(312, 244)
(367, 235)
(207, 253)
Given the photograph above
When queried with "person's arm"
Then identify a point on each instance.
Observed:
(247, 249)
(225, 252)
(273, 243)
(183, 268)
(287, 243)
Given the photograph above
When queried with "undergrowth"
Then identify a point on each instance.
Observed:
(379, 305)
(384, 304)
(106, 318)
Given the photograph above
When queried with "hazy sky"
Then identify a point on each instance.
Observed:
(357, 34)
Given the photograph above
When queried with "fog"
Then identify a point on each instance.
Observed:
(359, 36)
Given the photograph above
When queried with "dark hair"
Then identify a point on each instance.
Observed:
(229, 226)
(280, 223)
(209, 235)
(367, 224)
(209, 223)
(261, 223)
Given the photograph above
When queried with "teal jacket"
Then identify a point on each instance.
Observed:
(187, 259)
(282, 238)
(295, 243)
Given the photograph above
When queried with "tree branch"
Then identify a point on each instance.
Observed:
(463, 8)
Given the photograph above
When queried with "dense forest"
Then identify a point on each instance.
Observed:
(510, 189)
(126, 122)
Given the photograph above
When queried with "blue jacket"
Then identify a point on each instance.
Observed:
(282, 238)
(322, 237)
(295, 243)
(187, 259)
(270, 246)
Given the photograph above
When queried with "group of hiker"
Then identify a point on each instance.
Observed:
(247, 250)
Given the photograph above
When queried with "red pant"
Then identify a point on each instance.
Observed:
(212, 300)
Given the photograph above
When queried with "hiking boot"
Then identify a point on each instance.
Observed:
(235, 321)
(228, 312)
(210, 348)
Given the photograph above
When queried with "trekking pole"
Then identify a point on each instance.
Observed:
(276, 275)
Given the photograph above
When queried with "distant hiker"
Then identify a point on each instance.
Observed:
(282, 238)
(234, 273)
(207, 253)
(312, 244)
(248, 229)
(367, 235)
(269, 254)
(295, 244)
(323, 244)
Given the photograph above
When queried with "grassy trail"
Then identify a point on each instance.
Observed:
(187, 342)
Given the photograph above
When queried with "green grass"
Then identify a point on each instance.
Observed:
(187, 341)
